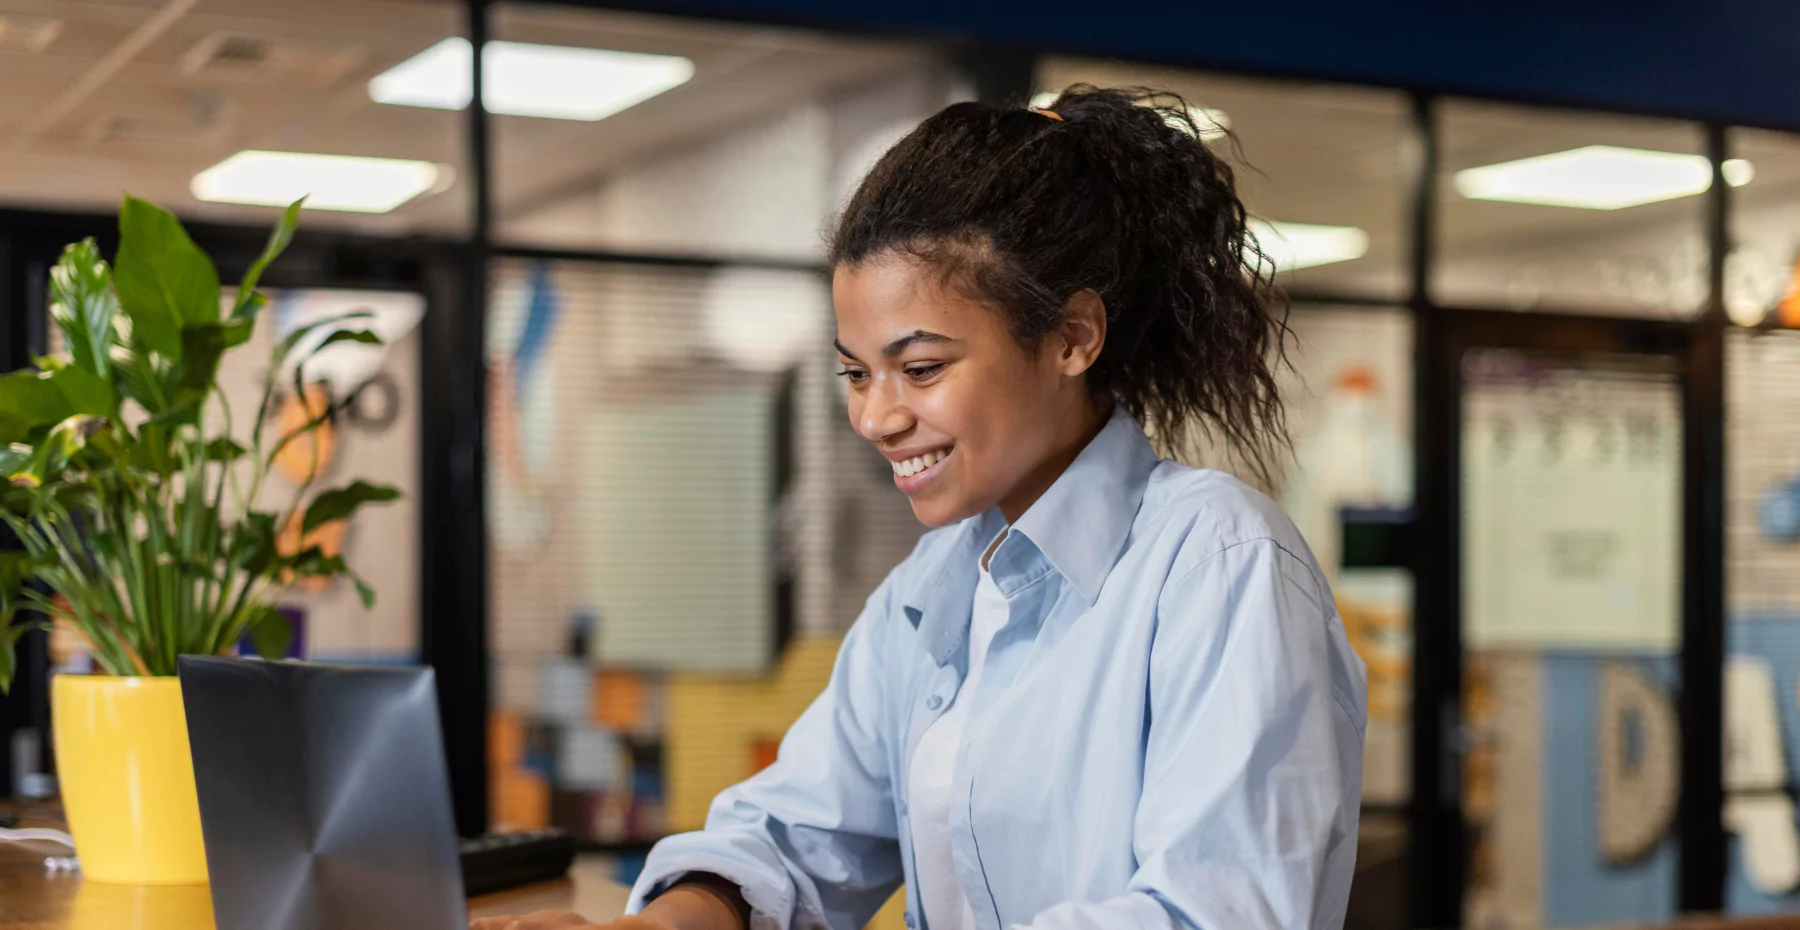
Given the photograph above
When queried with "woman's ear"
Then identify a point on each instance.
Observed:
(1083, 332)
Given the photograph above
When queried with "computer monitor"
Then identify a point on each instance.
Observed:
(323, 796)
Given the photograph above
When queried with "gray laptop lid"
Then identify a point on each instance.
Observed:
(323, 796)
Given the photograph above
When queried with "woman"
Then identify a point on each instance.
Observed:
(1111, 691)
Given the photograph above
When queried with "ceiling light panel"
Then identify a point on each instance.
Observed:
(328, 182)
(522, 79)
(1292, 246)
(1598, 177)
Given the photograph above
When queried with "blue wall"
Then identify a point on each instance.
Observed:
(1776, 638)
(1579, 888)
(1732, 60)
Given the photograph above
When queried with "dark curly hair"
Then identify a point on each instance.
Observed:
(1021, 211)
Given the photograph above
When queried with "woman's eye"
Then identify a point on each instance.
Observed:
(855, 376)
(922, 372)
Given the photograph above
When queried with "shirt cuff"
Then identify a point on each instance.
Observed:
(770, 908)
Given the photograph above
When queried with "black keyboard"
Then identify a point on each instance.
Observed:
(500, 861)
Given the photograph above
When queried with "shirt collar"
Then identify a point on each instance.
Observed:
(1078, 526)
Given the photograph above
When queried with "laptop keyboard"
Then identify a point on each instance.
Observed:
(499, 861)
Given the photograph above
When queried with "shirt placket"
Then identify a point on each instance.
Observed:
(1003, 650)
(940, 692)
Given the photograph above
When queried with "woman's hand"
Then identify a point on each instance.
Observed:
(558, 920)
(707, 903)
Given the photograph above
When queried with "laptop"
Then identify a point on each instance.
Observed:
(324, 800)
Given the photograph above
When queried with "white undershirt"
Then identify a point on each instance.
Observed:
(928, 779)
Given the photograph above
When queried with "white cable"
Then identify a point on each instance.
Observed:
(37, 835)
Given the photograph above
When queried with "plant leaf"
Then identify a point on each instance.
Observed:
(17, 567)
(32, 398)
(224, 450)
(286, 347)
(271, 635)
(163, 279)
(312, 562)
(341, 503)
(83, 305)
(363, 591)
(253, 543)
(84, 391)
(349, 335)
(49, 455)
(238, 330)
(151, 450)
(35, 399)
(9, 639)
(141, 379)
(13, 459)
(279, 237)
(201, 346)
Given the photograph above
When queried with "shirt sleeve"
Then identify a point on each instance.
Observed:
(812, 839)
(1252, 759)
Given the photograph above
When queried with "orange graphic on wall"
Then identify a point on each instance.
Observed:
(308, 456)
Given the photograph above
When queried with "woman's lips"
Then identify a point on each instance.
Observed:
(915, 474)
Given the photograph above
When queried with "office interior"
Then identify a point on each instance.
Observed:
(1544, 394)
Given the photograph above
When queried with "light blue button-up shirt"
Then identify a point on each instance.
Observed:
(1167, 730)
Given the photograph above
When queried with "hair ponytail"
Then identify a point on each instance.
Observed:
(1119, 195)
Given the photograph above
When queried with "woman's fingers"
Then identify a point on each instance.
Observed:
(536, 920)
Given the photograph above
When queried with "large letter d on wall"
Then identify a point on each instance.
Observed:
(1638, 766)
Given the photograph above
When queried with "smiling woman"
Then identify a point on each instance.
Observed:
(1021, 295)
(967, 416)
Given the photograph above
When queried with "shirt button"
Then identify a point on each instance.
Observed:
(934, 702)
(903, 808)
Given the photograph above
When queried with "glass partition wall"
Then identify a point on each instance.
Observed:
(1762, 529)
(1488, 299)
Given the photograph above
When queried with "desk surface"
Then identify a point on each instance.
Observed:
(32, 898)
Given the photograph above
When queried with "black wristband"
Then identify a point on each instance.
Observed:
(727, 891)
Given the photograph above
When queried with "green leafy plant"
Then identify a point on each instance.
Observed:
(135, 509)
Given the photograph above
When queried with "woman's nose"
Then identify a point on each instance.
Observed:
(883, 413)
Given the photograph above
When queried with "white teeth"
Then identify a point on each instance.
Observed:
(906, 468)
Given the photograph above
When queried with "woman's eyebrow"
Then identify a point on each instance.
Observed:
(899, 345)
(915, 337)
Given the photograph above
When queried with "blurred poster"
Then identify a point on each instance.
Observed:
(1350, 455)
(677, 512)
(373, 438)
(1571, 499)
(522, 407)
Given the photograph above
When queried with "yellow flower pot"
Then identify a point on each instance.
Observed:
(127, 779)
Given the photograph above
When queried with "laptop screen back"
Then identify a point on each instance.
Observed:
(323, 796)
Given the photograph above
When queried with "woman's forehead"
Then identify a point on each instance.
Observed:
(880, 302)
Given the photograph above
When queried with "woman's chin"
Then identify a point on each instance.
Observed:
(939, 509)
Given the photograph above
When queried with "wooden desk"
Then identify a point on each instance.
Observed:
(32, 898)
